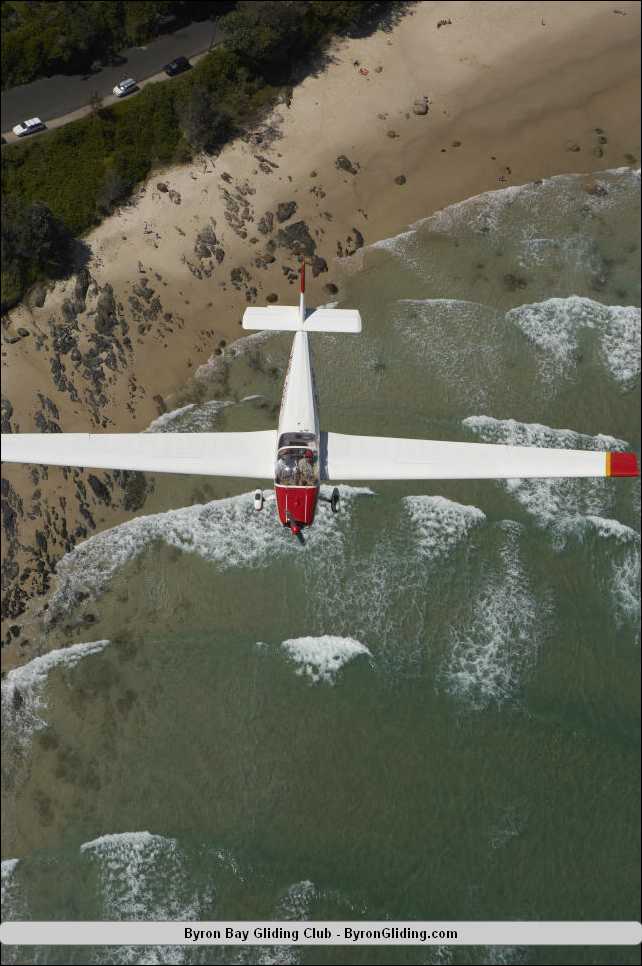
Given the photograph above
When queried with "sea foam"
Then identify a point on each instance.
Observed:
(573, 508)
(489, 656)
(514, 433)
(439, 525)
(193, 418)
(8, 869)
(321, 658)
(210, 530)
(624, 581)
(554, 326)
(556, 504)
(23, 700)
(143, 876)
(482, 212)
(452, 338)
(239, 347)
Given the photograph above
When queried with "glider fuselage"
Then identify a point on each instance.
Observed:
(296, 476)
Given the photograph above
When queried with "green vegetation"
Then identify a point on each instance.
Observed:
(34, 244)
(44, 38)
(78, 172)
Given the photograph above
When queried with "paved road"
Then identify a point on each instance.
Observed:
(63, 98)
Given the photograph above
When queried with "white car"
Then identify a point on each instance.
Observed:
(28, 127)
(125, 87)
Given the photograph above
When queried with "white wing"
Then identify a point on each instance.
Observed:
(208, 454)
(252, 455)
(384, 458)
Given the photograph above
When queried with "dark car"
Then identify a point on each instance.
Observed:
(177, 66)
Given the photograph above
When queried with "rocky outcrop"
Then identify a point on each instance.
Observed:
(106, 320)
(344, 163)
(297, 239)
(285, 210)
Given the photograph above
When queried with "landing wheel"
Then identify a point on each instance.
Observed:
(258, 500)
(334, 500)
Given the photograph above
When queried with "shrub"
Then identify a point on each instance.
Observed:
(35, 244)
(264, 34)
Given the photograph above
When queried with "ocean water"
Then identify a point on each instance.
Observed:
(428, 710)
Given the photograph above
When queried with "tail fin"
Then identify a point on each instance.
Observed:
(290, 318)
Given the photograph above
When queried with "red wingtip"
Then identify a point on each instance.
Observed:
(623, 464)
(302, 275)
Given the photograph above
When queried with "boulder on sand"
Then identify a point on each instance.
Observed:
(285, 210)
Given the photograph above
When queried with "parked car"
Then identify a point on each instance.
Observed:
(177, 66)
(28, 127)
(125, 87)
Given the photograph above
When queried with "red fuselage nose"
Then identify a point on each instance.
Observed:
(296, 505)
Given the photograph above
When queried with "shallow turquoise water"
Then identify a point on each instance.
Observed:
(234, 751)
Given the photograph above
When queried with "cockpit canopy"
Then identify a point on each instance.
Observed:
(298, 439)
(297, 461)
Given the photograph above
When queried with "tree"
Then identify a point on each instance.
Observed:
(34, 243)
(142, 18)
(203, 124)
(264, 33)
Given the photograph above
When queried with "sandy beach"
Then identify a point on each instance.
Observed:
(513, 92)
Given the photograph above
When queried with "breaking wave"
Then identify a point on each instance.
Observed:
(129, 864)
(209, 530)
(624, 561)
(489, 656)
(439, 525)
(8, 869)
(238, 348)
(23, 698)
(193, 418)
(145, 876)
(483, 213)
(555, 325)
(556, 504)
(321, 658)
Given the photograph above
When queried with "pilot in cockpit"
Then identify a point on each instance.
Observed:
(306, 469)
(286, 470)
(296, 469)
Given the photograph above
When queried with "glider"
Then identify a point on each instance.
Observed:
(298, 456)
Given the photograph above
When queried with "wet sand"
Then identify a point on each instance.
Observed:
(396, 126)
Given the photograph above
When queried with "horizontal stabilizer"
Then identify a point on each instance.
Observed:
(287, 318)
(333, 320)
(382, 458)
(207, 454)
(284, 318)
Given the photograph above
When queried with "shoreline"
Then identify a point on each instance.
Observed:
(172, 271)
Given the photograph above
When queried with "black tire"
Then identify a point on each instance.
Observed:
(334, 500)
